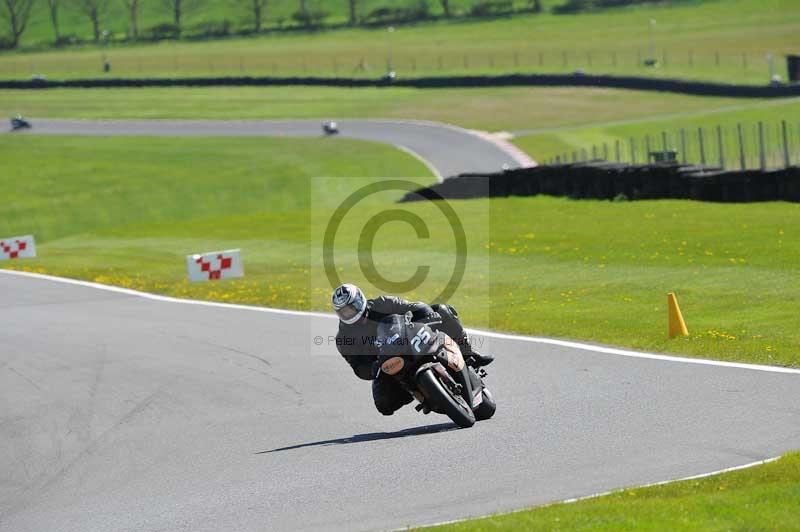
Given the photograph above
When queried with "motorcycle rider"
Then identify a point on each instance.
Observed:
(358, 322)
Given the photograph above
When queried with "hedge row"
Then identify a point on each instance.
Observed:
(609, 181)
(512, 80)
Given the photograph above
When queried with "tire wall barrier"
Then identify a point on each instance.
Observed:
(602, 180)
(512, 80)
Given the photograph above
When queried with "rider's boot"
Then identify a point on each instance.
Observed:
(472, 356)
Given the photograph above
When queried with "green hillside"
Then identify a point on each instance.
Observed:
(723, 40)
(277, 15)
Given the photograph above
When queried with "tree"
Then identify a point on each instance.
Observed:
(16, 14)
(179, 9)
(94, 9)
(536, 5)
(52, 6)
(446, 8)
(259, 10)
(353, 12)
(133, 16)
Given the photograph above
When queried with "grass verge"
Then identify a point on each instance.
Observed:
(126, 211)
(549, 142)
(759, 498)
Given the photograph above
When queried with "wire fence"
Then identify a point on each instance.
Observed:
(761, 146)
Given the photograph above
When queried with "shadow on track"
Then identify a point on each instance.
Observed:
(371, 436)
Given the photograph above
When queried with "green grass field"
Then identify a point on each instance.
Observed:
(549, 142)
(722, 40)
(125, 211)
(761, 498)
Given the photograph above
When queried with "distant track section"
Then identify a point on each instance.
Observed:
(447, 150)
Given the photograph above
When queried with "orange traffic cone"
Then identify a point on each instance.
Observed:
(677, 327)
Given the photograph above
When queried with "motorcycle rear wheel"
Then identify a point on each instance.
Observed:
(455, 407)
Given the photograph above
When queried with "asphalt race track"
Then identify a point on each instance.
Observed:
(448, 150)
(123, 412)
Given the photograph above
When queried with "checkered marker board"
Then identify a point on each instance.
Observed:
(215, 265)
(18, 247)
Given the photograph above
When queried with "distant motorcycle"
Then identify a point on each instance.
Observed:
(429, 365)
(19, 123)
(330, 128)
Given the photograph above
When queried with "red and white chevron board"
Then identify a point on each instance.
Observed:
(17, 247)
(215, 265)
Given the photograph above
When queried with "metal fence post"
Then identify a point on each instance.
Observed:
(683, 146)
(617, 151)
(605, 151)
(786, 159)
(762, 156)
(646, 149)
(702, 146)
(664, 140)
(633, 150)
(720, 147)
(742, 163)
(594, 152)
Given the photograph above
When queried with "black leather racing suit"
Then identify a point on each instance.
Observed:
(356, 343)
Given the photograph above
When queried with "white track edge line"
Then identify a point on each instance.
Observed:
(432, 169)
(633, 354)
(478, 332)
(603, 493)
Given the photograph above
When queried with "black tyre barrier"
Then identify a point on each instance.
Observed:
(609, 181)
(700, 88)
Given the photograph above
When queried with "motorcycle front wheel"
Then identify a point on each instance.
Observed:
(454, 406)
(487, 407)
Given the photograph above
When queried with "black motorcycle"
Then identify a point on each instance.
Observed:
(330, 128)
(19, 123)
(429, 365)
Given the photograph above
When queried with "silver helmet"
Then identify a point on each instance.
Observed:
(349, 303)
